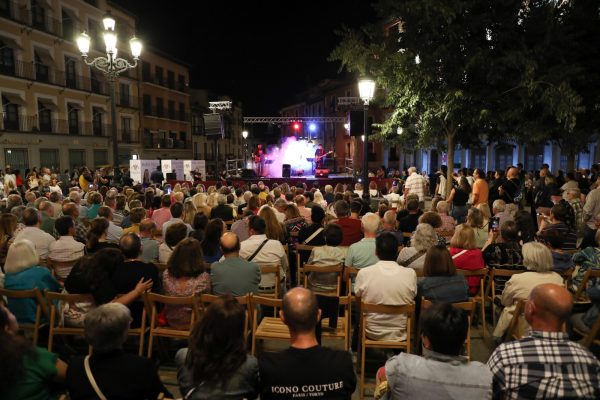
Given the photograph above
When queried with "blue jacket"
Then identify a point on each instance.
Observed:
(30, 278)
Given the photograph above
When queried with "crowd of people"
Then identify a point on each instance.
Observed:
(117, 240)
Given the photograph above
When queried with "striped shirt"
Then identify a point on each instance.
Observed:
(545, 365)
(416, 184)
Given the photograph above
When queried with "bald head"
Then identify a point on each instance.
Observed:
(147, 227)
(70, 209)
(300, 310)
(512, 173)
(551, 307)
(230, 244)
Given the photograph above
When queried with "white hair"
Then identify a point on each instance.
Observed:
(328, 189)
(21, 255)
(221, 199)
(499, 205)
(424, 237)
(370, 222)
(537, 257)
(442, 207)
(106, 327)
(389, 217)
(411, 170)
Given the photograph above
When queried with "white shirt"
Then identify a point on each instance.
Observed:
(415, 184)
(66, 248)
(39, 238)
(114, 233)
(271, 253)
(442, 187)
(387, 283)
(164, 253)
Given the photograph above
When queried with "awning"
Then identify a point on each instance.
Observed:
(48, 104)
(75, 106)
(44, 56)
(10, 42)
(14, 98)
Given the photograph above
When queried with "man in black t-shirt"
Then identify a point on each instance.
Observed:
(305, 370)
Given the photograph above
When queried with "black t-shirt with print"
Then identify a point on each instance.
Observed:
(313, 373)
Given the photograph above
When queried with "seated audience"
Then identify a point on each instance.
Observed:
(351, 228)
(185, 276)
(117, 374)
(222, 210)
(423, 239)
(329, 254)
(465, 255)
(561, 260)
(504, 250)
(440, 281)
(23, 272)
(362, 254)
(562, 220)
(211, 248)
(65, 248)
(322, 367)
(114, 232)
(387, 283)
(293, 223)
(96, 236)
(475, 221)
(240, 227)
(8, 225)
(135, 218)
(26, 372)
(215, 364)
(176, 210)
(411, 220)
(32, 232)
(500, 212)
(389, 225)
(545, 364)
(442, 372)
(588, 258)
(312, 234)
(199, 224)
(233, 275)
(448, 223)
(73, 211)
(432, 218)
(275, 229)
(163, 214)
(133, 271)
(538, 261)
(175, 234)
(149, 244)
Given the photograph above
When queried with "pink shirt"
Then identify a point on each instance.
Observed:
(161, 216)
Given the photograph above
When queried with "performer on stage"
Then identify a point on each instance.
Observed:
(259, 159)
(319, 159)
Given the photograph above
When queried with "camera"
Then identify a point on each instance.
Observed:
(494, 224)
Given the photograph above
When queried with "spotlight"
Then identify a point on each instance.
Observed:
(312, 127)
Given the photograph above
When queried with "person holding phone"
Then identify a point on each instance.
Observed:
(502, 246)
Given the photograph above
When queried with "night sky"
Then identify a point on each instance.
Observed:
(259, 52)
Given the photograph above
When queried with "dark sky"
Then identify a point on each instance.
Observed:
(259, 52)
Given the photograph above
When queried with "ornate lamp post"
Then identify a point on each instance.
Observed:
(111, 66)
(245, 136)
(366, 89)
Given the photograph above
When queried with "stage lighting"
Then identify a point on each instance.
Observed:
(312, 127)
(296, 126)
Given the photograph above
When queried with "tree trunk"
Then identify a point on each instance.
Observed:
(449, 177)
(570, 161)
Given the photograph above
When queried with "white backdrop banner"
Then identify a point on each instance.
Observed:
(194, 165)
(140, 169)
(135, 170)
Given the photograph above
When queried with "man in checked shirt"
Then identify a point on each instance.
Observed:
(546, 364)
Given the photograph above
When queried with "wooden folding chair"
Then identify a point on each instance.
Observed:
(342, 330)
(57, 326)
(299, 249)
(41, 308)
(161, 266)
(141, 331)
(495, 273)
(271, 269)
(269, 327)
(590, 337)
(323, 269)
(567, 276)
(366, 308)
(469, 307)
(513, 332)
(208, 299)
(479, 298)
(152, 300)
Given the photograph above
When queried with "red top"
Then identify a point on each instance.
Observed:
(470, 260)
(352, 230)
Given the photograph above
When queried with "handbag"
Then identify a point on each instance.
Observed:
(314, 235)
(88, 372)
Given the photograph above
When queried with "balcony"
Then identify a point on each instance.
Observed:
(31, 124)
(165, 113)
(151, 142)
(39, 20)
(151, 78)
(128, 101)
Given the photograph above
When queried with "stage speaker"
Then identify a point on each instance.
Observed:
(286, 170)
(248, 173)
(322, 172)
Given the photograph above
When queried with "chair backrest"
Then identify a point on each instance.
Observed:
(207, 299)
(501, 273)
(257, 301)
(513, 332)
(34, 294)
(272, 269)
(67, 297)
(301, 248)
(407, 309)
(161, 266)
(152, 299)
(321, 269)
(589, 274)
(349, 273)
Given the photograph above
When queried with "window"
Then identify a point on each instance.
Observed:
(205, 151)
(160, 109)
(171, 109)
(181, 83)
(96, 84)
(504, 156)
(17, 159)
(147, 100)
(7, 59)
(45, 118)
(73, 115)
(171, 79)
(49, 158)
(71, 72)
(96, 36)
(38, 15)
(76, 159)
(124, 94)
(5, 7)
(478, 158)
(146, 75)
(564, 164)
(100, 157)
(158, 75)
(41, 69)
(97, 121)
(68, 26)
(126, 129)
(11, 115)
(534, 157)
(182, 116)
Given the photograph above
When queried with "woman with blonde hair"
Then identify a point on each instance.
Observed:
(274, 229)
(475, 221)
(537, 258)
(466, 255)
(189, 212)
(199, 201)
(212, 200)
(320, 200)
(486, 212)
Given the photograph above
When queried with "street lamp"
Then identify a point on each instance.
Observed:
(111, 66)
(366, 89)
(245, 136)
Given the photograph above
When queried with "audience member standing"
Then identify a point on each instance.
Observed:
(416, 184)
